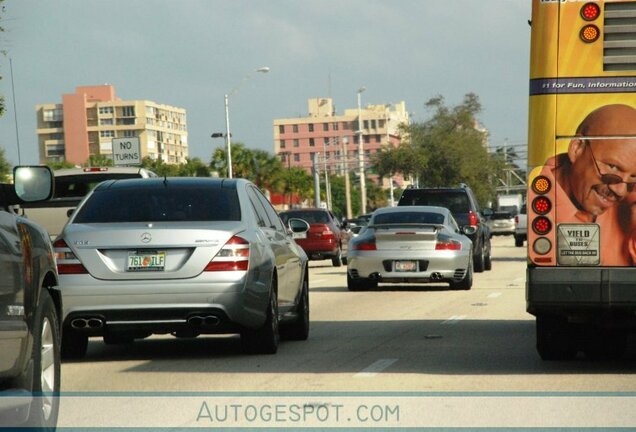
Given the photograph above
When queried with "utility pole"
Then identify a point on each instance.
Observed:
(316, 172)
(345, 167)
(363, 188)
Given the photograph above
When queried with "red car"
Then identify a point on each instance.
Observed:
(326, 238)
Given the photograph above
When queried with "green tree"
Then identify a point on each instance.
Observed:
(99, 160)
(160, 168)
(59, 165)
(5, 167)
(446, 150)
(298, 182)
(194, 167)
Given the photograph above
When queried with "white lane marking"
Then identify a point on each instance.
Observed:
(494, 295)
(454, 319)
(374, 368)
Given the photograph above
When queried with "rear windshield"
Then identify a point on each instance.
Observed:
(502, 215)
(160, 205)
(456, 202)
(309, 216)
(408, 218)
(77, 186)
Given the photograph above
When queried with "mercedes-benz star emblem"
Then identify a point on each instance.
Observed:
(146, 237)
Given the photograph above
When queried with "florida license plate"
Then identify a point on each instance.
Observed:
(155, 261)
(299, 235)
(405, 266)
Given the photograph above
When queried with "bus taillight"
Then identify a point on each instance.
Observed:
(541, 205)
(541, 185)
(590, 11)
(589, 33)
(541, 225)
(541, 246)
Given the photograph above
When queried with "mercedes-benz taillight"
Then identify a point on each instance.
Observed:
(233, 256)
(67, 262)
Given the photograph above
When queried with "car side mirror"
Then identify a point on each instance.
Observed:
(297, 226)
(469, 229)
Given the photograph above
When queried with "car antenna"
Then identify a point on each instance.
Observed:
(165, 179)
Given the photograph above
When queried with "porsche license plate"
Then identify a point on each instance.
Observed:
(155, 261)
(405, 266)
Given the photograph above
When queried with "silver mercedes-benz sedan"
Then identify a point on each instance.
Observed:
(411, 244)
(181, 256)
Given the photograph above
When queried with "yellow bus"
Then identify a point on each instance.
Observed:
(581, 202)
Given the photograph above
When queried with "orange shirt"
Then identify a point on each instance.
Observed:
(613, 238)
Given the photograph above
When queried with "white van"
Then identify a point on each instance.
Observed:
(71, 186)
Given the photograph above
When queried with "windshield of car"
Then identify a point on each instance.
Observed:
(160, 204)
(408, 218)
(77, 186)
(456, 202)
(501, 215)
(309, 216)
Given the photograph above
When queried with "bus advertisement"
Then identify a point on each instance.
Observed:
(581, 275)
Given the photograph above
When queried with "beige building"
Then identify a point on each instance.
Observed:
(86, 122)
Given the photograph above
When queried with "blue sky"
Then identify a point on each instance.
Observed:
(189, 53)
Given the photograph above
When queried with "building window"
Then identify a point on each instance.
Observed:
(49, 115)
(296, 157)
(312, 155)
(106, 121)
(367, 139)
(378, 138)
(311, 142)
(281, 128)
(106, 110)
(325, 127)
(373, 124)
(128, 111)
(325, 141)
(295, 128)
(335, 126)
(107, 134)
(296, 143)
(381, 123)
(311, 127)
(282, 144)
(129, 134)
(365, 124)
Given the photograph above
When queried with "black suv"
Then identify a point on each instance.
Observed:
(463, 205)
(30, 308)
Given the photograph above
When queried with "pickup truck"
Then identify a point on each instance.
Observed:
(30, 308)
(521, 226)
(71, 186)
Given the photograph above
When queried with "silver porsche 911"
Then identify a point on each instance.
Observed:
(413, 244)
(185, 256)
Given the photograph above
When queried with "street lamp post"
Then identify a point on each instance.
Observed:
(345, 166)
(228, 138)
(363, 189)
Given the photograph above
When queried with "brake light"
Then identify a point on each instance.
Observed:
(233, 256)
(472, 218)
(67, 262)
(541, 225)
(517, 219)
(367, 245)
(590, 11)
(541, 205)
(449, 244)
(95, 169)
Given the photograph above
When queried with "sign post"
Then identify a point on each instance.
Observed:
(126, 151)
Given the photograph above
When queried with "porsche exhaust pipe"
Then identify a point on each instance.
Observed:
(436, 276)
(203, 320)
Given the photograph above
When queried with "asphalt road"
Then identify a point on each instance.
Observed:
(400, 339)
